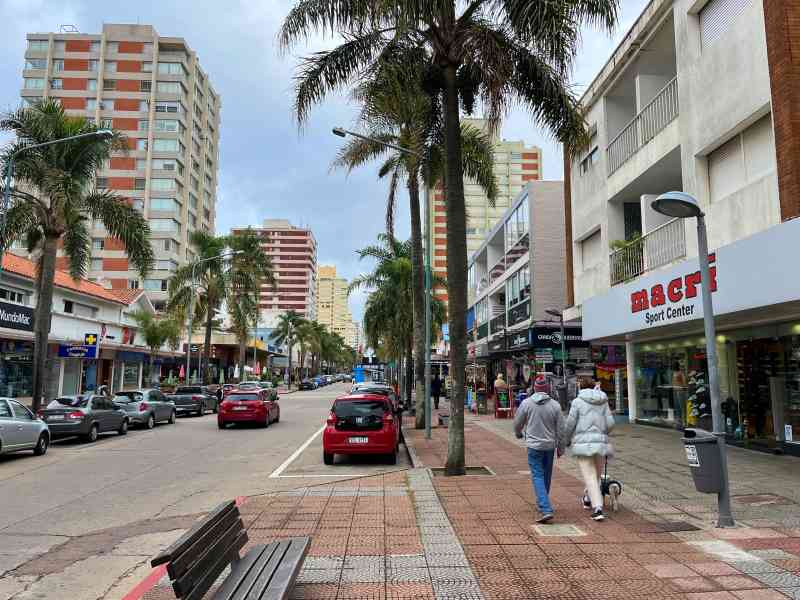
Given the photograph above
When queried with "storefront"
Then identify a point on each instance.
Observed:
(757, 312)
(16, 356)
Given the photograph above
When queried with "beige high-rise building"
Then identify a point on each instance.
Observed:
(332, 307)
(515, 164)
(153, 90)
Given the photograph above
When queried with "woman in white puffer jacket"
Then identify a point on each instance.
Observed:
(587, 428)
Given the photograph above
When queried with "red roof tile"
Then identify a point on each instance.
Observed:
(26, 268)
(127, 296)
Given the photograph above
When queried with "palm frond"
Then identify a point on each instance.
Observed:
(78, 247)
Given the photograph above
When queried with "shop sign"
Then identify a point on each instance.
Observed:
(747, 274)
(14, 316)
(519, 341)
(519, 313)
(127, 356)
(544, 355)
(497, 345)
(550, 337)
(77, 351)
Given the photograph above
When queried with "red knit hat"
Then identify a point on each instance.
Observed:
(540, 384)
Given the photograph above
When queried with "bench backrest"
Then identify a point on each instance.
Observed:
(196, 559)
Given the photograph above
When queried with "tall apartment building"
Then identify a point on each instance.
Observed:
(153, 90)
(515, 165)
(293, 251)
(701, 97)
(332, 306)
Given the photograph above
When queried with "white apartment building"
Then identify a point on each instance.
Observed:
(688, 102)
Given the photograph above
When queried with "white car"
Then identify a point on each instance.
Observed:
(20, 429)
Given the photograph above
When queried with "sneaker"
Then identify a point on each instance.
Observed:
(597, 515)
(587, 504)
(545, 518)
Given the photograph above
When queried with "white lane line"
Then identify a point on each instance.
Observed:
(277, 472)
(346, 475)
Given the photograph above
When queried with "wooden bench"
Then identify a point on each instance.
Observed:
(196, 560)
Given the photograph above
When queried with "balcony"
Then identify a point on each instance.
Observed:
(657, 248)
(654, 117)
(498, 323)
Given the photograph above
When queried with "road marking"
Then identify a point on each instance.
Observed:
(277, 472)
(340, 475)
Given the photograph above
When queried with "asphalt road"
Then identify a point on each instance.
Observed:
(84, 519)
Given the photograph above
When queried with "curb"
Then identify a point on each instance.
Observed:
(412, 453)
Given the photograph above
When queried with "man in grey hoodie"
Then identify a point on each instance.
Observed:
(540, 422)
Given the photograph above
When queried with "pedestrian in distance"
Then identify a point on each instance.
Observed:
(587, 428)
(436, 390)
(539, 422)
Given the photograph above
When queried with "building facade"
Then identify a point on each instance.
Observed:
(333, 310)
(515, 165)
(293, 251)
(153, 90)
(700, 97)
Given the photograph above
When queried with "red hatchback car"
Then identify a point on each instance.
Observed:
(248, 406)
(361, 424)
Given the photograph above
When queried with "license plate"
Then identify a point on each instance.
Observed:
(358, 440)
(55, 418)
(239, 408)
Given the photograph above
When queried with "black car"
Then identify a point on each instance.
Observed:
(194, 400)
(307, 384)
(86, 416)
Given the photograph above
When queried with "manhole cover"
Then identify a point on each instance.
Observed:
(762, 499)
(439, 471)
(558, 530)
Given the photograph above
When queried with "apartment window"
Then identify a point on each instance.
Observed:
(101, 183)
(742, 160)
(94, 47)
(34, 83)
(209, 182)
(137, 204)
(56, 84)
(141, 164)
(94, 65)
(133, 284)
(195, 165)
(193, 220)
(166, 125)
(145, 85)
(158, 184)
(92, 104)
(169, 87)
(96, 264)
(141, 144)
(58, 65)
(171, 68)
(195, 183)
(110, 66)
(38, 45)
(139, 183)
(144, 106)
(109, 84)
(92, 85)
(716, 17)
(168, 107)
(33, 64)
(166, 265)
(13, 296)
(165, 145)
(155, 285)
(59, 46)
(147, 48)
(207, 214)
(164, 205)
(164, 225)
(144, 124)
(192, 200)
(592, 251)
(98, 243)
(78, 309)
(167, 164)
(147, 67)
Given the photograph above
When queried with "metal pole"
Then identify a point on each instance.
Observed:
(723, 499)
(563, 354)
(428, 319)
(189, 330)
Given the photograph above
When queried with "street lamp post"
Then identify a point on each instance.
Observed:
(103, 134)
(428, 274)
(683, 206)
(560, 315)
(190, 323)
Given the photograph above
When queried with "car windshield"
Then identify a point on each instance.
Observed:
(189, 390)
(242, 397)
(359, 408)
(128, 396)
(73, 401)
(374, 390)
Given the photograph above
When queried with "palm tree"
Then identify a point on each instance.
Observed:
(304, 337)
(249, 270)
(54, 202)
(157, 331)
(396, 110)
(497, 52)
(285, 334)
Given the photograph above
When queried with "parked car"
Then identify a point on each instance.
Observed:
(308, 384)
(361, 424)
(20, 429)
(226, 388)
(317, 381)
(147, 407)
(86, 416)
(329, 379)
(193, 399)
(248, 406)
(267, 385)
(381, 389)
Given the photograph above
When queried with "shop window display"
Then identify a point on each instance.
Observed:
(16, 369)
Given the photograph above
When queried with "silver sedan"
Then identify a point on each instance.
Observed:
(20, 429)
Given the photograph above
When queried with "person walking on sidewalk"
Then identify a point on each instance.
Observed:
(436, 390)
(587, 428)
(539, 421)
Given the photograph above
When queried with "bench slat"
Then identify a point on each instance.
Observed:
(197, 571)
(211, 575)
(286, 573)
(188, 538)
(244, 574)
(265, 576)
(181, 563)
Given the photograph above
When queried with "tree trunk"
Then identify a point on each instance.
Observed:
(290, 366)
(44, 309)
(456, 273)
(302, 359)
(410, 376)
(242, 354)
(418, 299)
(152, 365)
(207, 344)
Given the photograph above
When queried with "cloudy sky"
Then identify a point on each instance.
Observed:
(268, 168)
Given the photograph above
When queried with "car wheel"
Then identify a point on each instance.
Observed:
(327, 458)
(214, 410)
(278, 417)
(94, 433)
(391, 458)
(42, 445)
(267, 421)
(221, 424)
(202, 410)
(123, 428)
(172, 418)
(151, 422)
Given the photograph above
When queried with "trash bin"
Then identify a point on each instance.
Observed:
(702, 454)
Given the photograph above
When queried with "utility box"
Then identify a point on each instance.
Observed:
(702, 454)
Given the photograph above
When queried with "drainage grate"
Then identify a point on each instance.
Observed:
(762, 499)
(558, 530)
(674, 527)
(439, 471)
